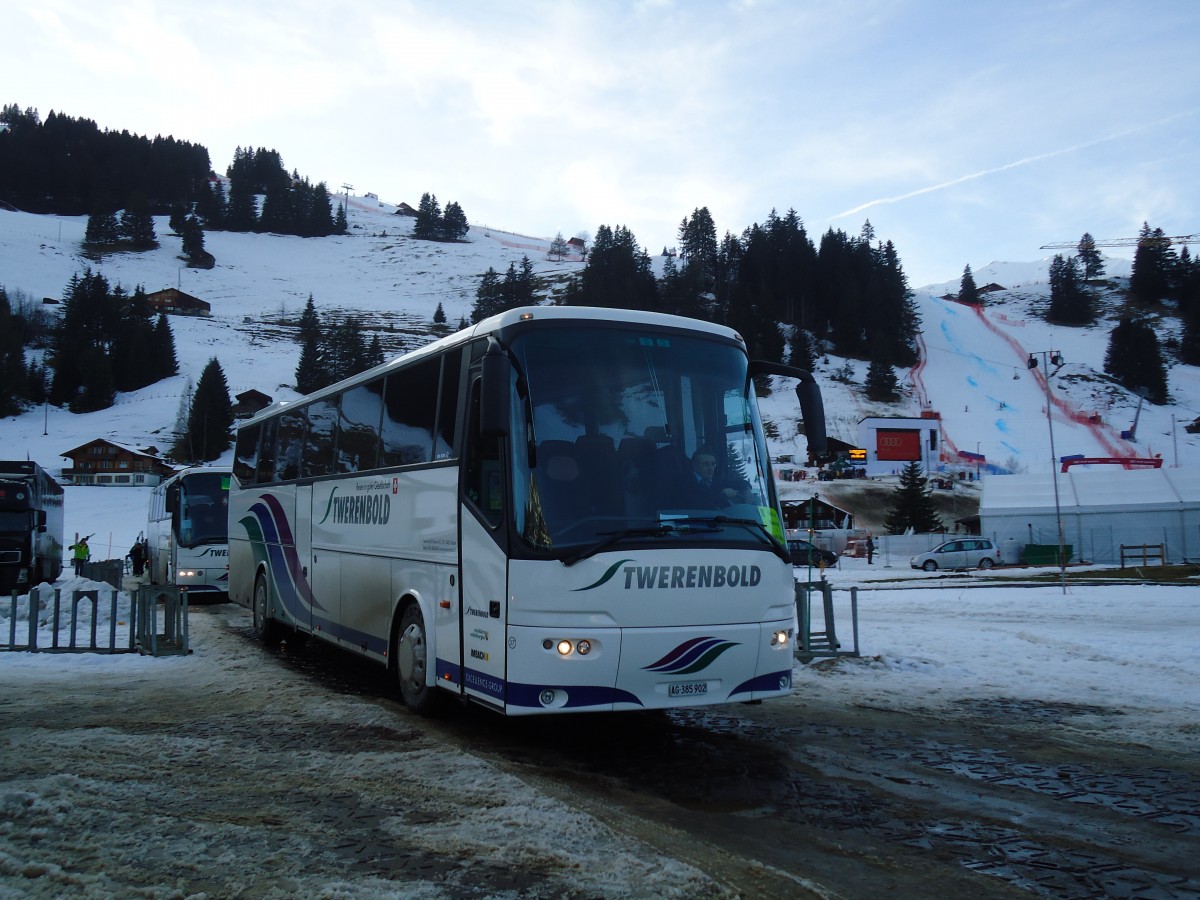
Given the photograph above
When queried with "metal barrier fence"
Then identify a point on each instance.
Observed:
(173, 640)
(97, 620)
(812, 644)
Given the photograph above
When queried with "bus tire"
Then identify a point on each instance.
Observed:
(412, 662)
(266, 629)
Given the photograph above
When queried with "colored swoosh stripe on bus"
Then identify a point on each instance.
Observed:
(612, 570)
(768, 683)
(276, 547)
(691, 656)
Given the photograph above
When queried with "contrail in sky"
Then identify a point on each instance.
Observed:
(1012, 165)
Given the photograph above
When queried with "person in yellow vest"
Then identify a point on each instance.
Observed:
(82, 553)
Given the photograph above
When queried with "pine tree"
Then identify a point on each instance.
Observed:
(137, 225)
(489, 298)
(439, 315)
(181, 448)
(1090, 258)
(803, 355)
(241, 212)
(102, 229)
(881, 384)
(163, 357)
(12, 361)
(428, 224)
(558, 248)
(310, 370)
(1153, 265)
(967, 291)
(375, 356)
(912, 505)
(340, 224)
(192, 233)
(1135, 359)
(310, 323)
(1070, 303)
(454, 222)
(98, 388)
(210, 420)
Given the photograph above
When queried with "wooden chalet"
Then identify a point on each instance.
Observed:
(175, 302)
(105, 462)
(247, 403)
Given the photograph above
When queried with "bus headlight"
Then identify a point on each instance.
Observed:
(781, 638)
(584, 647)
(564, 648)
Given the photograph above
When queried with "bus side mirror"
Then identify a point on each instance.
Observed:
(493, 394)
(808, 393)
(41, 520)
(171, 500)
(812, 408)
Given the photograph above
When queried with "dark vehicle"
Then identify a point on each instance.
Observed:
(964, 553)
(31, 526)
(805, 553)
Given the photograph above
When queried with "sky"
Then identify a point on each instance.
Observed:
(965, 133)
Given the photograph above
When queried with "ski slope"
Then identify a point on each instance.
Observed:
(974, 372)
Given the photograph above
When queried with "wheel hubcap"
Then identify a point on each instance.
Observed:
(410, 658)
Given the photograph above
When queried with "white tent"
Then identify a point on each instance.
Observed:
(1102, 509)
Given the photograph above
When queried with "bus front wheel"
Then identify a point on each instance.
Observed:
(412, 662)
(266, 629)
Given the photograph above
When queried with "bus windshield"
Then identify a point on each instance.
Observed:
(204, 509)
(648, 435)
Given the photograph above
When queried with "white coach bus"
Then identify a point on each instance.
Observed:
(509, 516)
(187, 531)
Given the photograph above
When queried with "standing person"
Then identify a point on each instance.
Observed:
(82, 554)
(137, 556)
(870, 549)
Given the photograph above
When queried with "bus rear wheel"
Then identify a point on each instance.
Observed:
(266, 629)
(412, 662)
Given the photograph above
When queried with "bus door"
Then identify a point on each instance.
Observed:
(483, 563)
(303, 553)
(325, 572)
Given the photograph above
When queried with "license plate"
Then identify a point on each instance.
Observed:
(687, 688)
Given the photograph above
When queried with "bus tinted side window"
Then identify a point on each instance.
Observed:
(246, 454)
(318, 449)
(289, 445)
(358, 428)
(482, 483)
(410, 404)
(265, 470)
(447, 424)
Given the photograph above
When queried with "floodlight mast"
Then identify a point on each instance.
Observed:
(1053, 358)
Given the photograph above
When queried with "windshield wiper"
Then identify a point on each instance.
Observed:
(757, 528)
(609, 538)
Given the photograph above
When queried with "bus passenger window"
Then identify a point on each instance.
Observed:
(482, 481)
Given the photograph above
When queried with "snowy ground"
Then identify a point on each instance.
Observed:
(225, 773)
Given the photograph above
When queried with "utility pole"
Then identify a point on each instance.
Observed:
(1053, 357)
(346, 189)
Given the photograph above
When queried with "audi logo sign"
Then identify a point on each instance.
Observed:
(897, 445)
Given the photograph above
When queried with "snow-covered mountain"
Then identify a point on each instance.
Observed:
(973, 371)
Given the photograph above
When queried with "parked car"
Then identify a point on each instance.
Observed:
(961, 553)
(806, 553)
